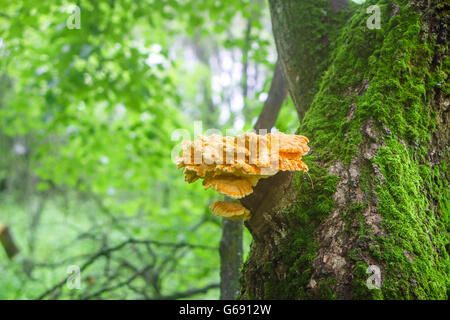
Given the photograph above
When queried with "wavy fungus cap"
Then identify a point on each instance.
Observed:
(234, 165)
(232, 210)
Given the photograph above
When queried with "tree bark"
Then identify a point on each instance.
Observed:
(371, 219)
(314, 25)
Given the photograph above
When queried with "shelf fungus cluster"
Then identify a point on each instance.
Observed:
(234, 165)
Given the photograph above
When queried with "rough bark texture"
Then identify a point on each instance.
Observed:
(314, 25)
(377, 193)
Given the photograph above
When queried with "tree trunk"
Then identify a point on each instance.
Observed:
(370, 220)
(230, 259)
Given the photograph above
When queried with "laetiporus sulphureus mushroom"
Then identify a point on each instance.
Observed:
(234, 165)
(232, 210)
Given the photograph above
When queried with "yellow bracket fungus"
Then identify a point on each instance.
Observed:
(232, 210)
(234, 165)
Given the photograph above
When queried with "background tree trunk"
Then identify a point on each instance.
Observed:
(230, 250)
(373, 103)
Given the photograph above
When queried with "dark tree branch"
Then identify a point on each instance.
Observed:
(7, 241)
(106, 252)
(277, 94)
(245, 59)
(118, 285)
(189, 293)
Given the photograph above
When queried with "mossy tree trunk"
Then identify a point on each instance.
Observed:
(374, 103)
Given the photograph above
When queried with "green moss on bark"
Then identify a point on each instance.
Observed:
(389, 76)
(315, 202)
(395, 63)
(413, 252)
(315, 26)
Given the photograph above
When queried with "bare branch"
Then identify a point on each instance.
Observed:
(190, 292)
(106, 252)
(277, 94)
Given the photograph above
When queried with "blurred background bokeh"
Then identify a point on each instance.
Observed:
(87, 115)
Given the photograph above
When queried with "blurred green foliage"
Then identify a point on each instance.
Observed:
(86, 119)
